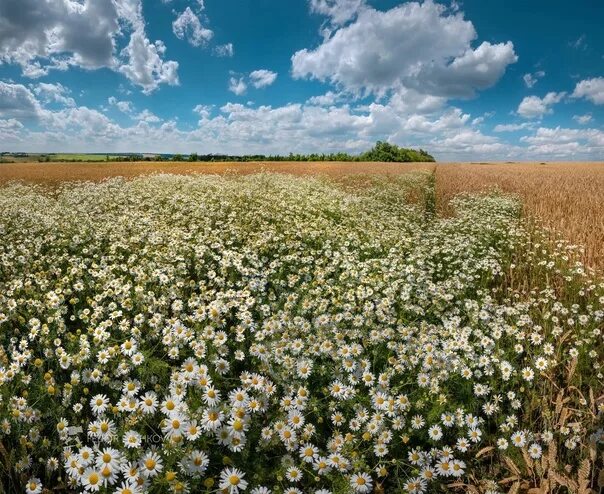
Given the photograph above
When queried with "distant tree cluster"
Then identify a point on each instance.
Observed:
(382, 151)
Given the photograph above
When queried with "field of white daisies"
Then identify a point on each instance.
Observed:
(272, 334)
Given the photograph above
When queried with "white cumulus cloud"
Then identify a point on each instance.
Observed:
(123, 106)
(10, 130)
(81, 33)
(562, 142)
(423, 46)
(18, 102)
(339, 11)
(535, 107)
(225, 50)
(328, 99)
(147, 116)
(188, 26)
(262, 78)
(53, 93)
(583, 119)
(41, 36)
(237, 86)
(531, 79)
(446, 132)
(145, 66)
(591, 89)
(513, 127)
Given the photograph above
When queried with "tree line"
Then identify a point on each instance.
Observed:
(382, 151)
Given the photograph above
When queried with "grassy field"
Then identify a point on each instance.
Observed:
(77, 157)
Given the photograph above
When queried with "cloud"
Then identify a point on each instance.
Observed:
(302, 127)
(582, 119)
(339, 11)
(535, 107)
(18, 102)
(262, 78)
(591, 89)
(475, 70)
(145, 66)
(147, 116)
(128, 108)
(41, 36)
(419, 46)
(203, 111)
(295, 127)
(513, 127)
(188, 26)
(53, 93)
(579, 43)
(531, 79)
(258, 78)
(237, 128)
(10, 130)
(564, 142)
(237, 86)
(328, 99)
(468, 142)
(224, 50)
(309, 128)
(33, 29)
(81, 123)
(123, 106)
(10, 124)
(326, 123)
(409, 101)
(142, 61)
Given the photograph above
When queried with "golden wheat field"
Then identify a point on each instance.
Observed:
(567, 197)
(59, 172)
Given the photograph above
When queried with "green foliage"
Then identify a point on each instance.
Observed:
(384, 151)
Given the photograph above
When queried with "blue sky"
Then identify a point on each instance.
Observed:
(469, 80)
